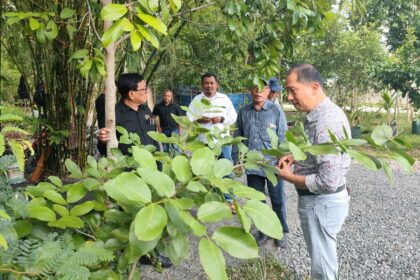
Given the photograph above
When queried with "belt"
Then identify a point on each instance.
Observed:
(306, 192)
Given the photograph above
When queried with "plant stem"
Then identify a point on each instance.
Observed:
(133, 269)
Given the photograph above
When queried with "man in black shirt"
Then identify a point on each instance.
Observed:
(132, 112)
(163, 111)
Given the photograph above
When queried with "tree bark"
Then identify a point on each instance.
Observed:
(110, 88)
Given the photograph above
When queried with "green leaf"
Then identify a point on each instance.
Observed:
(156, 23)
(177, 248)
(112, 34)
(3, 243)
(144, 158)
(56, 181)
(42, 213)
(113, 11)
(135, 40)
(137, 247)
(202, 161)
(247, 192)
(132, 188)
(126, 25)
(212, 260)
(82, 209)
(363, 159)
(320, 149)
(242, 217)
(181, 168)
(213, 211)
(69, 221)
(354, 142)
(148, 35)
(297, 152)
(274, 139)
(161, 182)
(387, 169)
(222, 168)
(54, 197)
(51, 31)
(175, 5)
(197, 228)
(22, 228)
(404, 160)
(264, 218)
(381, 134)
(2, 144)
(34, 24)
(79, 54)
(236, 242)
(60, 209)
(196, 186)
(76, 192)
(150, 222)
(67, 13)
(73, 169)
(4, 215)
(91, 184)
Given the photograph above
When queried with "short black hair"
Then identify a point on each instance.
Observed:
(208, 75)
(127, 82)
(306, 73)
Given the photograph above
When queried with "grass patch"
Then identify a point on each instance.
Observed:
(261, 269)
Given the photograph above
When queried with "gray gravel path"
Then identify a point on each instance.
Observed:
(380, 239)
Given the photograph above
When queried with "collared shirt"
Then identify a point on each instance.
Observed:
(138, 122)
(324, 173)
(253, 124)
(164, 113)
(221, 107)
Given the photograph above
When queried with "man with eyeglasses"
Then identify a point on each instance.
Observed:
(132, 112)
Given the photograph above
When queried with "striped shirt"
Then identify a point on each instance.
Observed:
(324, 173)
(253, 124)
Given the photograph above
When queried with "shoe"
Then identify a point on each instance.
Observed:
(261, 239)
(282, 243)
(165, 262)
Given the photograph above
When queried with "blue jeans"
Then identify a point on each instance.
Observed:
(277, 196)
(166, 146)
(227, 154)
(321, 219)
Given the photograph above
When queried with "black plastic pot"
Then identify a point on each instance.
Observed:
(356, 132)
(415, 127)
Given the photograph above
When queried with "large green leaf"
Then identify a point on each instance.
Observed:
(363, 159)
(177, 248)
(213, 211)
(274, 139)
(54, 197)
(67, 13)
(148, 35)
(135, 40)
(196, 186)
(150, 222)
(41, 213)
(137, 247)
(175, 5)
(236, 242)
(381, 134)
(242, 217)
(202, 161)
(61, 210)
(181, 168)
(155, 23)
(144, 158)
(73, 169)
(3, 243)
(82, 209)
(56, 181)
(161, 182)
(222, 168)
(212, 260)
(76, 192)
(34, 24)
(133, 187)
(197, 228)
(297, 152)
(68, 222)
(387, 169)
(113, 11)
(23, 228)
(404, 160)
(320, 149)
(264, 218)
(112, 34)
(247, 192)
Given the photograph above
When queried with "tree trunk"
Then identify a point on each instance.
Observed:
(110, 88)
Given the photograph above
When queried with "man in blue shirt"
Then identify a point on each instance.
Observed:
(252, 123)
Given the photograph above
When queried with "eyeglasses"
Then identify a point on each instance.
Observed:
(142, 89)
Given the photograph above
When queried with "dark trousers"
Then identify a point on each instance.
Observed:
(277, 196)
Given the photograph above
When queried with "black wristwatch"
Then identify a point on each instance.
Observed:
(222, 119)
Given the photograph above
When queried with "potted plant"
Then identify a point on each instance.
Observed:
(354, 119)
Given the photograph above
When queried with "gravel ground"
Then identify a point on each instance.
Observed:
(380, 239)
